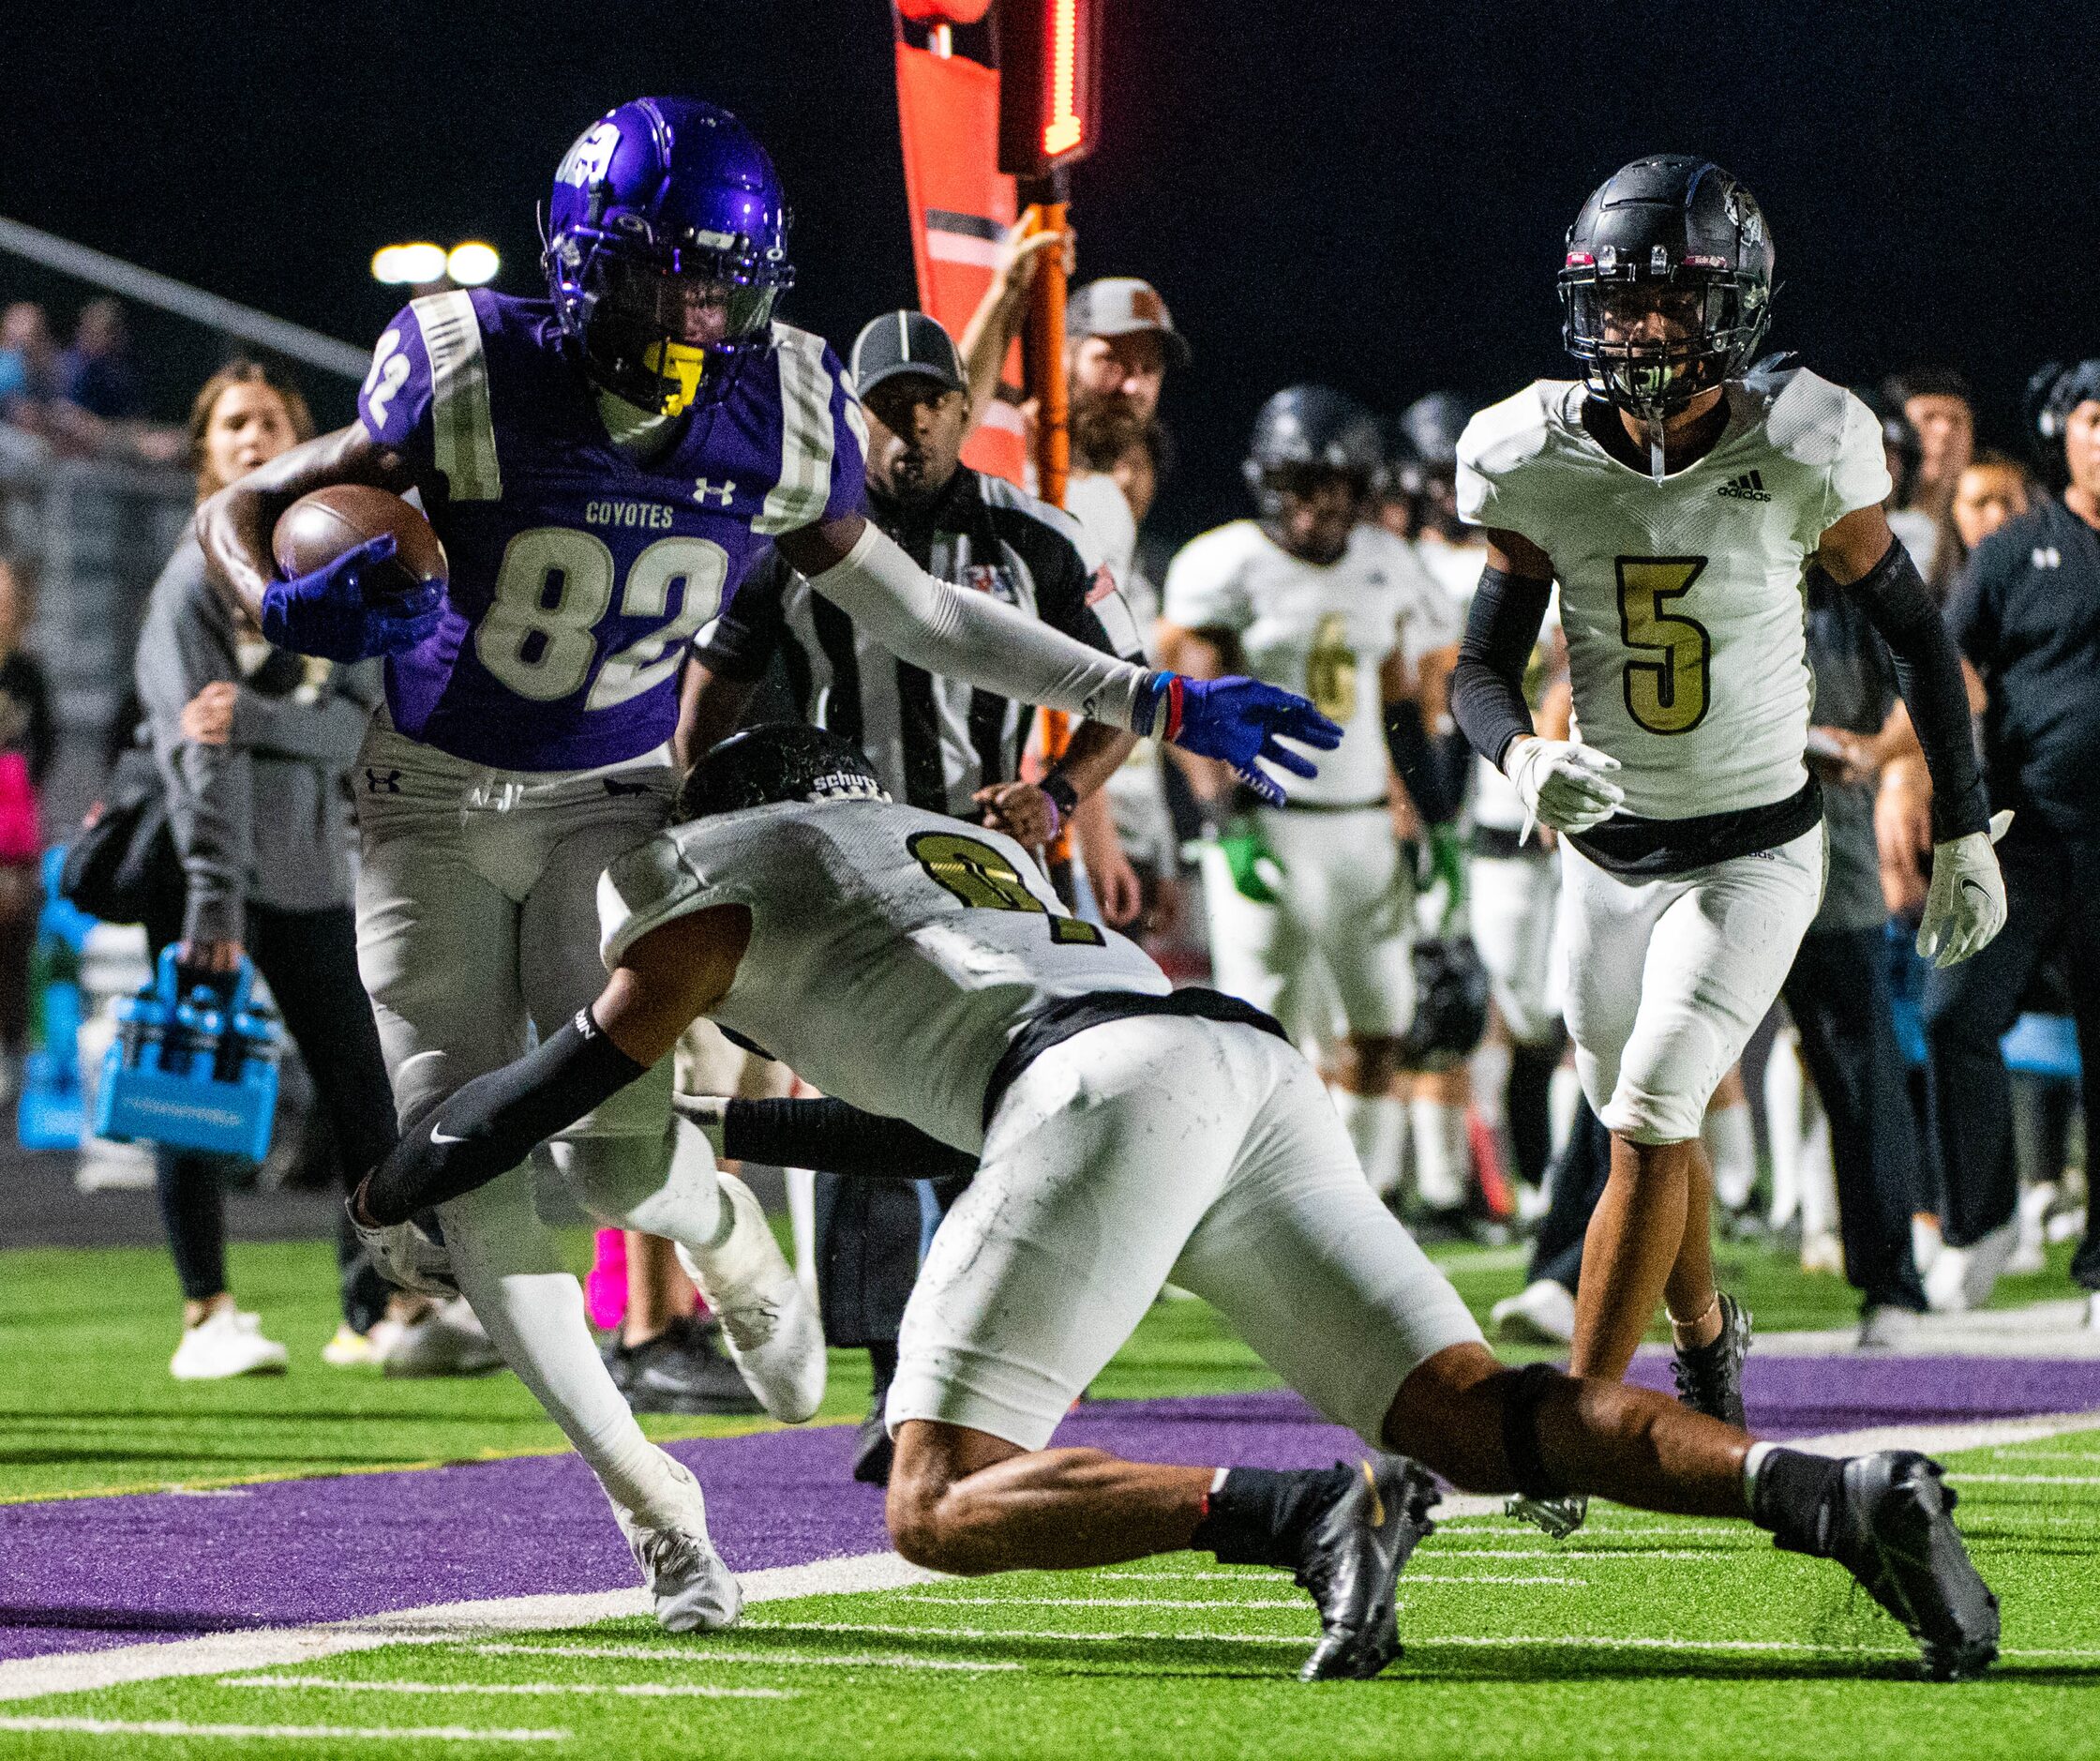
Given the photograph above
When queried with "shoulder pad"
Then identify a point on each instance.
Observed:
(1806, 416)
(646, 887)
(1505, 435)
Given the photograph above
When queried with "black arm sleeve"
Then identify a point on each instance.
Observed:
(1419, 764)
(834, 1137)
(1488, 682)
(1928, 673)
(489, 1125)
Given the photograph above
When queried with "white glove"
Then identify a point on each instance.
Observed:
(1563, 783)
(1965, 905)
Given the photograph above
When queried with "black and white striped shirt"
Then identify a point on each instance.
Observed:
(933, 741)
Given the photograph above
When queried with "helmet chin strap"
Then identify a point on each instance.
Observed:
(1654, 442)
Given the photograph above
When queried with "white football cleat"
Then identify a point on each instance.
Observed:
(1824, 1252)
(769, 1323)
(1541, 1314)
(1962, 1278)
(226, 1343)
(447, 1341)
(694, 1591)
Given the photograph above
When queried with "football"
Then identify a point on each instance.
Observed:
(318, 528)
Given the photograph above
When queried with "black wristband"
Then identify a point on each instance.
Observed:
(1064, 797)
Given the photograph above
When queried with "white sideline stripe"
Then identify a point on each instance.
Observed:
(1566, 1639)
(1413, 1578)
(639, 1689)
(1107, 1602)
(785, 1659)
(1092, 1635)
(323, 1733)
(267, 1647)
(66, 1672)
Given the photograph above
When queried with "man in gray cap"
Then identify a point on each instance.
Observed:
(936, 744)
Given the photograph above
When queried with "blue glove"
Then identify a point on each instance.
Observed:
(328, 613)
(1238, 720)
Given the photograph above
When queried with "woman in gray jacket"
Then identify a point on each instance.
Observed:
(253, 743)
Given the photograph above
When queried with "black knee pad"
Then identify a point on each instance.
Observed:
(1522, 1392)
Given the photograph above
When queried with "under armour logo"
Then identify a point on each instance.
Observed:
(702, 489)
(382, 782)
(2048, 556)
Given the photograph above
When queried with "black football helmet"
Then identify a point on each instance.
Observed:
(1433, 425)
(1308, 429)
(777, 762)
(1676, 236)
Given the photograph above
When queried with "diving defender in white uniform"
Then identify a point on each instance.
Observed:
(922, 969)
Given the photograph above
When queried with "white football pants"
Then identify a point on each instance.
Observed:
(477, 916)
(1514, 908)
(1204, 1151)
(1342, 929)
(1667, 979)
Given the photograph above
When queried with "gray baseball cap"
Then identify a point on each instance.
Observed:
(1115, 305)
(906, 342)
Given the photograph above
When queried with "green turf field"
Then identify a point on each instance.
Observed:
(90, 1407)
(1641, 1637)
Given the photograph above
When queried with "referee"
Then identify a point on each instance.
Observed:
(936, 744)
(2026, 614)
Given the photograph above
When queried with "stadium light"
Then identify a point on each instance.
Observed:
(473, 263)
(404, 265)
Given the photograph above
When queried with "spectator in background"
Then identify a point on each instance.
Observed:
(252, 744)
(1994, 488)
(2026, 615)
(97, 372)
(1936, 402)
(27, 741)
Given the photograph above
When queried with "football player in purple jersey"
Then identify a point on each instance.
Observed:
(604, 466)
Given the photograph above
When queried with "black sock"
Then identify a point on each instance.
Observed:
(882, 1358)
(1261, 1517)
(1796, 1498)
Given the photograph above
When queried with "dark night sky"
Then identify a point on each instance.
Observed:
(1371, 193)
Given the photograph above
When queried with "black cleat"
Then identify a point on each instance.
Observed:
(1710, 1378)
(1559, 1518)
(682, 1370)
(1352, 1560)
(872, 1451)
(1893, 1532)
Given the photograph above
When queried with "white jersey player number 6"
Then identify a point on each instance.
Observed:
(1667, 694)
(544, 651)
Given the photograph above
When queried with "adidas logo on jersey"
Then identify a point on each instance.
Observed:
(1750, 486)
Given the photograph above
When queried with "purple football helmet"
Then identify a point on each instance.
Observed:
(667, 245)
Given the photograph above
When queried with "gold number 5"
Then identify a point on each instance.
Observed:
(1667, 694)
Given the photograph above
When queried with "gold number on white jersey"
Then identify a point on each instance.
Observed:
(1331, 669)
(975, 873)
(1666, 692)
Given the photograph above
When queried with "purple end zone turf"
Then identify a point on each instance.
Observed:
(84, 1573)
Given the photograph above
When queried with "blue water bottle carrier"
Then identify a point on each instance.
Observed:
(195, 1072)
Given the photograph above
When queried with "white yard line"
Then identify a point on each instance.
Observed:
(1106, 1601)
(318, 1732)
(1411, 1577)
(2026, 1480)
(219, 1653)
(267, 1647)
(710, 1654)
(1091, 1636)
(635, 1690)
